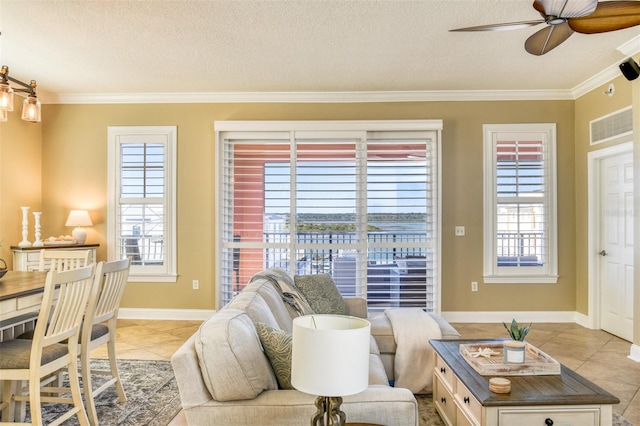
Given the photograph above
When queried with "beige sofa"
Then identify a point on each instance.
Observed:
(225, 378)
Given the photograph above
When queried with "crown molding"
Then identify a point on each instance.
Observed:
(306, 97)
(631, 47)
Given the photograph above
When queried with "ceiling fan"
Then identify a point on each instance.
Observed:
(564, 17)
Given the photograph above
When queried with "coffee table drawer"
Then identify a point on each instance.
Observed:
(549, 416)
(468, 402)
(445, 372)
(444, 401)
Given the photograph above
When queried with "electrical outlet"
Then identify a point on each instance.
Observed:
(459, 231)
(474, 285)
(196, 284)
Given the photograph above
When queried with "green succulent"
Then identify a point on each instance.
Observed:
(515, 331)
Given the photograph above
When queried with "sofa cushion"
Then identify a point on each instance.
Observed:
(322, 294)
(231, 359)
(282, 312)
(255, 306)
(377, 373)
(290, 294)
(277, 346)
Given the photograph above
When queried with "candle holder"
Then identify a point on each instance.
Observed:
(25, 228)
(38, 242)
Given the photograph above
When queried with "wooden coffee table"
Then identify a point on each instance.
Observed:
(462, 396)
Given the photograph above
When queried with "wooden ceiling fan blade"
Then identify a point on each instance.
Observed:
(501, 27)
(547, 39)
(608, 16)
(565, 8)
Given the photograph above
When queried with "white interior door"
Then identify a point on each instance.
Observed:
(616, 253)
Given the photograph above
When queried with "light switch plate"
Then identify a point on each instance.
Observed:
(459, 231)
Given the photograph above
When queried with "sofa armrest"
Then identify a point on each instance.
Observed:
(357, 306)
(377, 404)
(186, 368)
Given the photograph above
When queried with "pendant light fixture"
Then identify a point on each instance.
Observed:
(31, 107)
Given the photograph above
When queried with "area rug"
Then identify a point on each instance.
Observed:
(429, 416)
(152, 396)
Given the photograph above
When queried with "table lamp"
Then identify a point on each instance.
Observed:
(330, 358)
(79, 218)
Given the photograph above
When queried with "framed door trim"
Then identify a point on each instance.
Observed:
(594, 220)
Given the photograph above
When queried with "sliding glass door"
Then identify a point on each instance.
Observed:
(350, 199)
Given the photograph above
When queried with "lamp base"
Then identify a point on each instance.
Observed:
(328, 413)
(79, 234)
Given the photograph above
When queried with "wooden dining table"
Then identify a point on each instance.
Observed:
(20, 298)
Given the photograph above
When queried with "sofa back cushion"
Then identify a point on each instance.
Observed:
(254, 305)
(231, 359)
(282, 313)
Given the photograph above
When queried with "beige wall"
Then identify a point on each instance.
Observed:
(20, 178)
(74, 174)
(590, 107)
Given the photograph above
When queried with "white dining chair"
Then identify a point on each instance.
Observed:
(99, 328)
(63, 260)
(54, 347)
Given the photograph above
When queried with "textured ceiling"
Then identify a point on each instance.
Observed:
(118, 47)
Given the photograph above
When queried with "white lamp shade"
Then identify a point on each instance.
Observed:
(79, 218)
(330, 355)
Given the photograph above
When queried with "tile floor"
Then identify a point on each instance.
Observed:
(596, 355)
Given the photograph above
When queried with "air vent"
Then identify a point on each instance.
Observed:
(612, 126)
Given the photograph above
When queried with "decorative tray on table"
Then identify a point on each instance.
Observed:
(492, 363)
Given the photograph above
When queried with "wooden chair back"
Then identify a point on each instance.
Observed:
(63, 260)
(111, 280)
(60, 317)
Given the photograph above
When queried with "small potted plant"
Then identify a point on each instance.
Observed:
(514, 350)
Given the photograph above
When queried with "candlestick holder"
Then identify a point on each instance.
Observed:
(38, 242)
(25, 228)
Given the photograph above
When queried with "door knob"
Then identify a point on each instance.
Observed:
(602, 253)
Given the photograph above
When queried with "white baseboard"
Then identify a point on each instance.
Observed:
(506, 316)
(634, 353)
(165, 314)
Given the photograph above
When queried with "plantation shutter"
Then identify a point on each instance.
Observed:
(356, 204)
(522, 243)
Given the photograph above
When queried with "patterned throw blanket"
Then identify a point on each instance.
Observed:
(414, 360)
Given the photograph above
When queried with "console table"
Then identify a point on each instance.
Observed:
(462, 396)
(28, 258)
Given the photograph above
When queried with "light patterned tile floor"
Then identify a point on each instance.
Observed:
(595, 354)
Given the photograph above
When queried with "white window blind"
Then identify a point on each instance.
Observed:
(520, 213)
(360, 205)
(142, 193)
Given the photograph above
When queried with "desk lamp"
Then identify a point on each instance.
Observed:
(330, 358)
(79, 218)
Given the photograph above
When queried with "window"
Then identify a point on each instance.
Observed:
(357, 200)
(141, 209)
(520, 240)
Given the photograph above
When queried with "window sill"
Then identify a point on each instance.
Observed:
(531, 279)
(152, 278)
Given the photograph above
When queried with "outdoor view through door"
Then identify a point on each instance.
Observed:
(356, 200)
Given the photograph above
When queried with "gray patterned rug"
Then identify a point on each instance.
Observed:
(429, 416)
(152, 396)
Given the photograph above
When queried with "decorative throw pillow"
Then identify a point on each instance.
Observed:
(322, 294)
(277, 346)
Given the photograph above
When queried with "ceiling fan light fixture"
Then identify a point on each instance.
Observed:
(566, 8)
